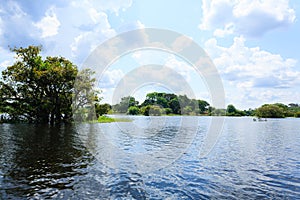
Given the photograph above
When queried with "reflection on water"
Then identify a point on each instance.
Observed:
(40, 161)
(251, 160)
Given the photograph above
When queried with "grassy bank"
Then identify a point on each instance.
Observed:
(105, 119)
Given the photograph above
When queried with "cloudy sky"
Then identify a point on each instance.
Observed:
(253, 44)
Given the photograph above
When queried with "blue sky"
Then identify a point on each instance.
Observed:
(253, 44)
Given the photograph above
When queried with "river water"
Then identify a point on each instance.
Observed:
(151, 158)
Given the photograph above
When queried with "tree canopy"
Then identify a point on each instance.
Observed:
(38, 90)
(157, 103)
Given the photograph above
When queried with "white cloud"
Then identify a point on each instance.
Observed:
(181, 67)
(239, 63)
(95, 28)
(6, 58)
(250, 72)
(228, 29)
(16, 26)
(247, 17)
(158, 57)
(113, 6)
(110, 78)
(49, 24)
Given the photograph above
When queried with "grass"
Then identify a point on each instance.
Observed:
(105, 119)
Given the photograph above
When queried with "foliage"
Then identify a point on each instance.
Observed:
(217, 112)
(175, 104)
(232, 111)
(297, 114)
(125, 103)
(168, 111)
(105, 119)
(85, 97)
(102, 109)
(155, 110)
(144, 110)
(38, 90)
(133, 110)
(203, 106)
(270, 111)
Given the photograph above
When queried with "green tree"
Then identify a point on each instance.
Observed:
(270, 111)
(175, 106)
(38, 90)
(124, 104)
(155, 110)
(203, 106)
(85, 96)
(144, 110)
(231, 110)
(297, 114)
(102, 109)
(133, 110)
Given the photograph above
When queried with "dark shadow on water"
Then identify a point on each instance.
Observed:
(39, 160)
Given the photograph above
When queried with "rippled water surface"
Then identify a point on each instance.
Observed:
(151, 158)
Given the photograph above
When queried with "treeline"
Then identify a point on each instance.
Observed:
(159, 103)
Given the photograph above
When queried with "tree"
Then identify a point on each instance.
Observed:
(38, 90)
(155, 110)
(297, 114)
(175, 106)
(133, 110)
(85, 97)
(125, 103)
(102, 109)
(270, 111)
(231, 109)
(203, 106)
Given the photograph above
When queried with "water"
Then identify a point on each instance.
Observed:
(250, 160)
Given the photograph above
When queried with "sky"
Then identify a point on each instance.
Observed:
(253, 44)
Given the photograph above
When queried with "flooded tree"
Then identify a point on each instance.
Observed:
(38, 90)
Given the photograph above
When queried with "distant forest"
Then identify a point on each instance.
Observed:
(159, 103)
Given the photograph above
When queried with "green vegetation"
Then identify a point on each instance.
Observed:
(270, 111)
(171, 104)
(232, 111)
(102, 109)
(297, 114)
(162, 103)
(133, 110)
(105, 119)
(38, 90)
(278, 110)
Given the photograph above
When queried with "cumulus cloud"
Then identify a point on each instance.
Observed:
(248, 17)
(253, 71)
(87, 40)
(16, 26)
(49, 24)
(110, 78)
(259, 68)
(158, 57)
(113, 6)
(94, 26)
(181, 67)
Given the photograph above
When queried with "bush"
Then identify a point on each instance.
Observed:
(297, 114)
(133, 110)
(155, 111)
(168, 111)
(270, 111)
